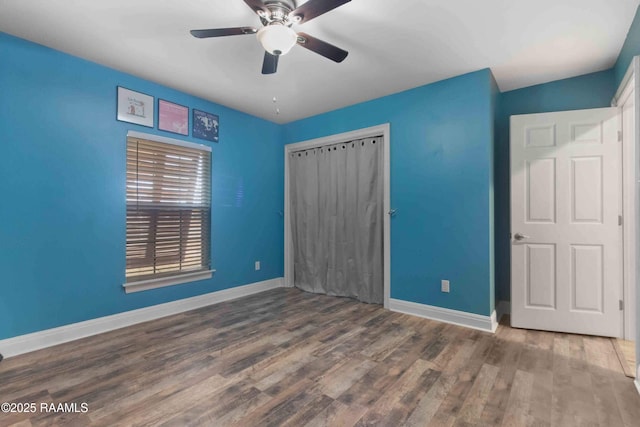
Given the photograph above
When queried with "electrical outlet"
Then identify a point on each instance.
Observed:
(444, 284)
(257, 265)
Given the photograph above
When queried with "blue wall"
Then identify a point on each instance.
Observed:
(60, 136)
(630, 49)
(62, 179)
(589, 91)
(441, 154)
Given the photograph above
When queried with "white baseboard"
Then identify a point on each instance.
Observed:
(503, 307)
(50, 337)
(287, 283)
(460, 318)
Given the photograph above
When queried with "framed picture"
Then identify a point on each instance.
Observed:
(173, 117)
(205, 125)
(135, 107)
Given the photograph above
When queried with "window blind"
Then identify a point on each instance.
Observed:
(168, 209)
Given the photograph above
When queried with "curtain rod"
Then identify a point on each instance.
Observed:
(332, 144)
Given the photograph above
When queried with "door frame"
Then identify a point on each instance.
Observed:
(385, 131)
(630, 162)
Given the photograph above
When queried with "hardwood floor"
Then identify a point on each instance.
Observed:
(288, 358)
(626, 351)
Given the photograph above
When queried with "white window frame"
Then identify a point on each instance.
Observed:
(160, 282)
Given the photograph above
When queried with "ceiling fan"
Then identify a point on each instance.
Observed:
(276, 35)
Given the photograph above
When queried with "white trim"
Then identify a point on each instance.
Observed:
(503, 307)
(494, 322)
(158, 138)
(288, 238)
(386, 231)
(50, 337)
(161, 282)
(630, 209)
(460, 318)
(385, 131)
(637, 384)
(624, 83)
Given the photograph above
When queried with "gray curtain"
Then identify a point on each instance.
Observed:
(336, 195)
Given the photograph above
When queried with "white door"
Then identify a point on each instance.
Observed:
(566, 239)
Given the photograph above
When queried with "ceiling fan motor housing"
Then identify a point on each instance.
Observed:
(279, 11)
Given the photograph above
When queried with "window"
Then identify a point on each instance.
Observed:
(168, 212)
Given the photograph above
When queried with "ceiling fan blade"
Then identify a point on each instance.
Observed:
(314, 8)
(256, 5)
(220, 32)
(322, 48)
(270, 63)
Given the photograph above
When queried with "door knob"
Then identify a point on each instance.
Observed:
(520, 236)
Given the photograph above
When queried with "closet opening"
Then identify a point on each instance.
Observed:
(337, 215)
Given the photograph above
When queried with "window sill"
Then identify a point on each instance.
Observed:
(145, 285)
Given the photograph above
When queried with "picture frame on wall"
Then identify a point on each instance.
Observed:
(205, 125)
(173, 117)
(135, 107)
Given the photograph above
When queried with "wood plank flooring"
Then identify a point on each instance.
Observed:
(626, 351)
(289, 358)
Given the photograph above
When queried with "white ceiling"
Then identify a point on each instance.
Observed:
(393, 45)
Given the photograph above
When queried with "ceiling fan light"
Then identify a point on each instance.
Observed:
(277, 39)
